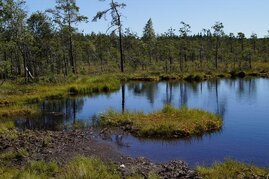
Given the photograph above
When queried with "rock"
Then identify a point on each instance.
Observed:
(122, 166)
(176, 169)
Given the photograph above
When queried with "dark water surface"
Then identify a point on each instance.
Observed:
(243, 104)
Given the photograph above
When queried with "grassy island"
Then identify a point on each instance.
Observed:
(166, 123)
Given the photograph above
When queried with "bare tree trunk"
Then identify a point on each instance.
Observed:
(71, 54)
(121, 51)
(120, 38)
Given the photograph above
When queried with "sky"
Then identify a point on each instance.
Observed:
(248, 16)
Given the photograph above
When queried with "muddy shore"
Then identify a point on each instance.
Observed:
(62, 146)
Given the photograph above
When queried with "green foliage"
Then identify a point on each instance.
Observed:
(185, 29)
(6, 157)
(82, 167)
(167, 123)
(42, 168)
(5, 126)
(52, 47)
(79, 167)
(232, 169)
(149, 33)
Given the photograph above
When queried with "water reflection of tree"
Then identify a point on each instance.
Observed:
(183, 94)
(183, 88)
(247, 88)
(54, 114)
(186, 89)
(72, 108)
(123, 98)
(168, 93)
(220, 99)
(148, 89)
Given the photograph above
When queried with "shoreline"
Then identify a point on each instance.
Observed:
(62, 146)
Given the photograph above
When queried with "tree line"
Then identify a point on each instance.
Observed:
(48, 43)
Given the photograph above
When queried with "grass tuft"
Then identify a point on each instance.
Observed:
(82, 167)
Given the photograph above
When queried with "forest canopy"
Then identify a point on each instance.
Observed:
(49, 43)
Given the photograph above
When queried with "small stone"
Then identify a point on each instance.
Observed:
(122, 166)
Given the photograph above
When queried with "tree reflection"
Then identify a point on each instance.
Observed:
(148, 89)
(123, 98)
(55, 115)
(247, 89)
(168, 93)
(183, 94)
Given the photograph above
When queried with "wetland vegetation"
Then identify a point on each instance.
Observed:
(169, 122)
(232, 169)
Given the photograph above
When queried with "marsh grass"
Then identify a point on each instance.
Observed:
(6, 125)
(14, 93)
(7, 157)
(18, 110)
(32, 170)
(232, 169)
(79, 167)
(191, 76)
(82, 167)
(166, 123)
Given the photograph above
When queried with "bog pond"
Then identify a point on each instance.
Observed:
(242, 103)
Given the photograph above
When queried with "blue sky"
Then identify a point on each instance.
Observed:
(237, 15)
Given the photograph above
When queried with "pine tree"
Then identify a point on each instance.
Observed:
(149, 33)
(149, 38)
(66, 15)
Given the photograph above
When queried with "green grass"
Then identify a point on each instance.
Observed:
(17, 110)
(15, 93)
(82, 167)
(166, 123)
(7, 157)
(32, 170)
(79, 167)
(232, 169)
(92, 168)
(6, 125)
